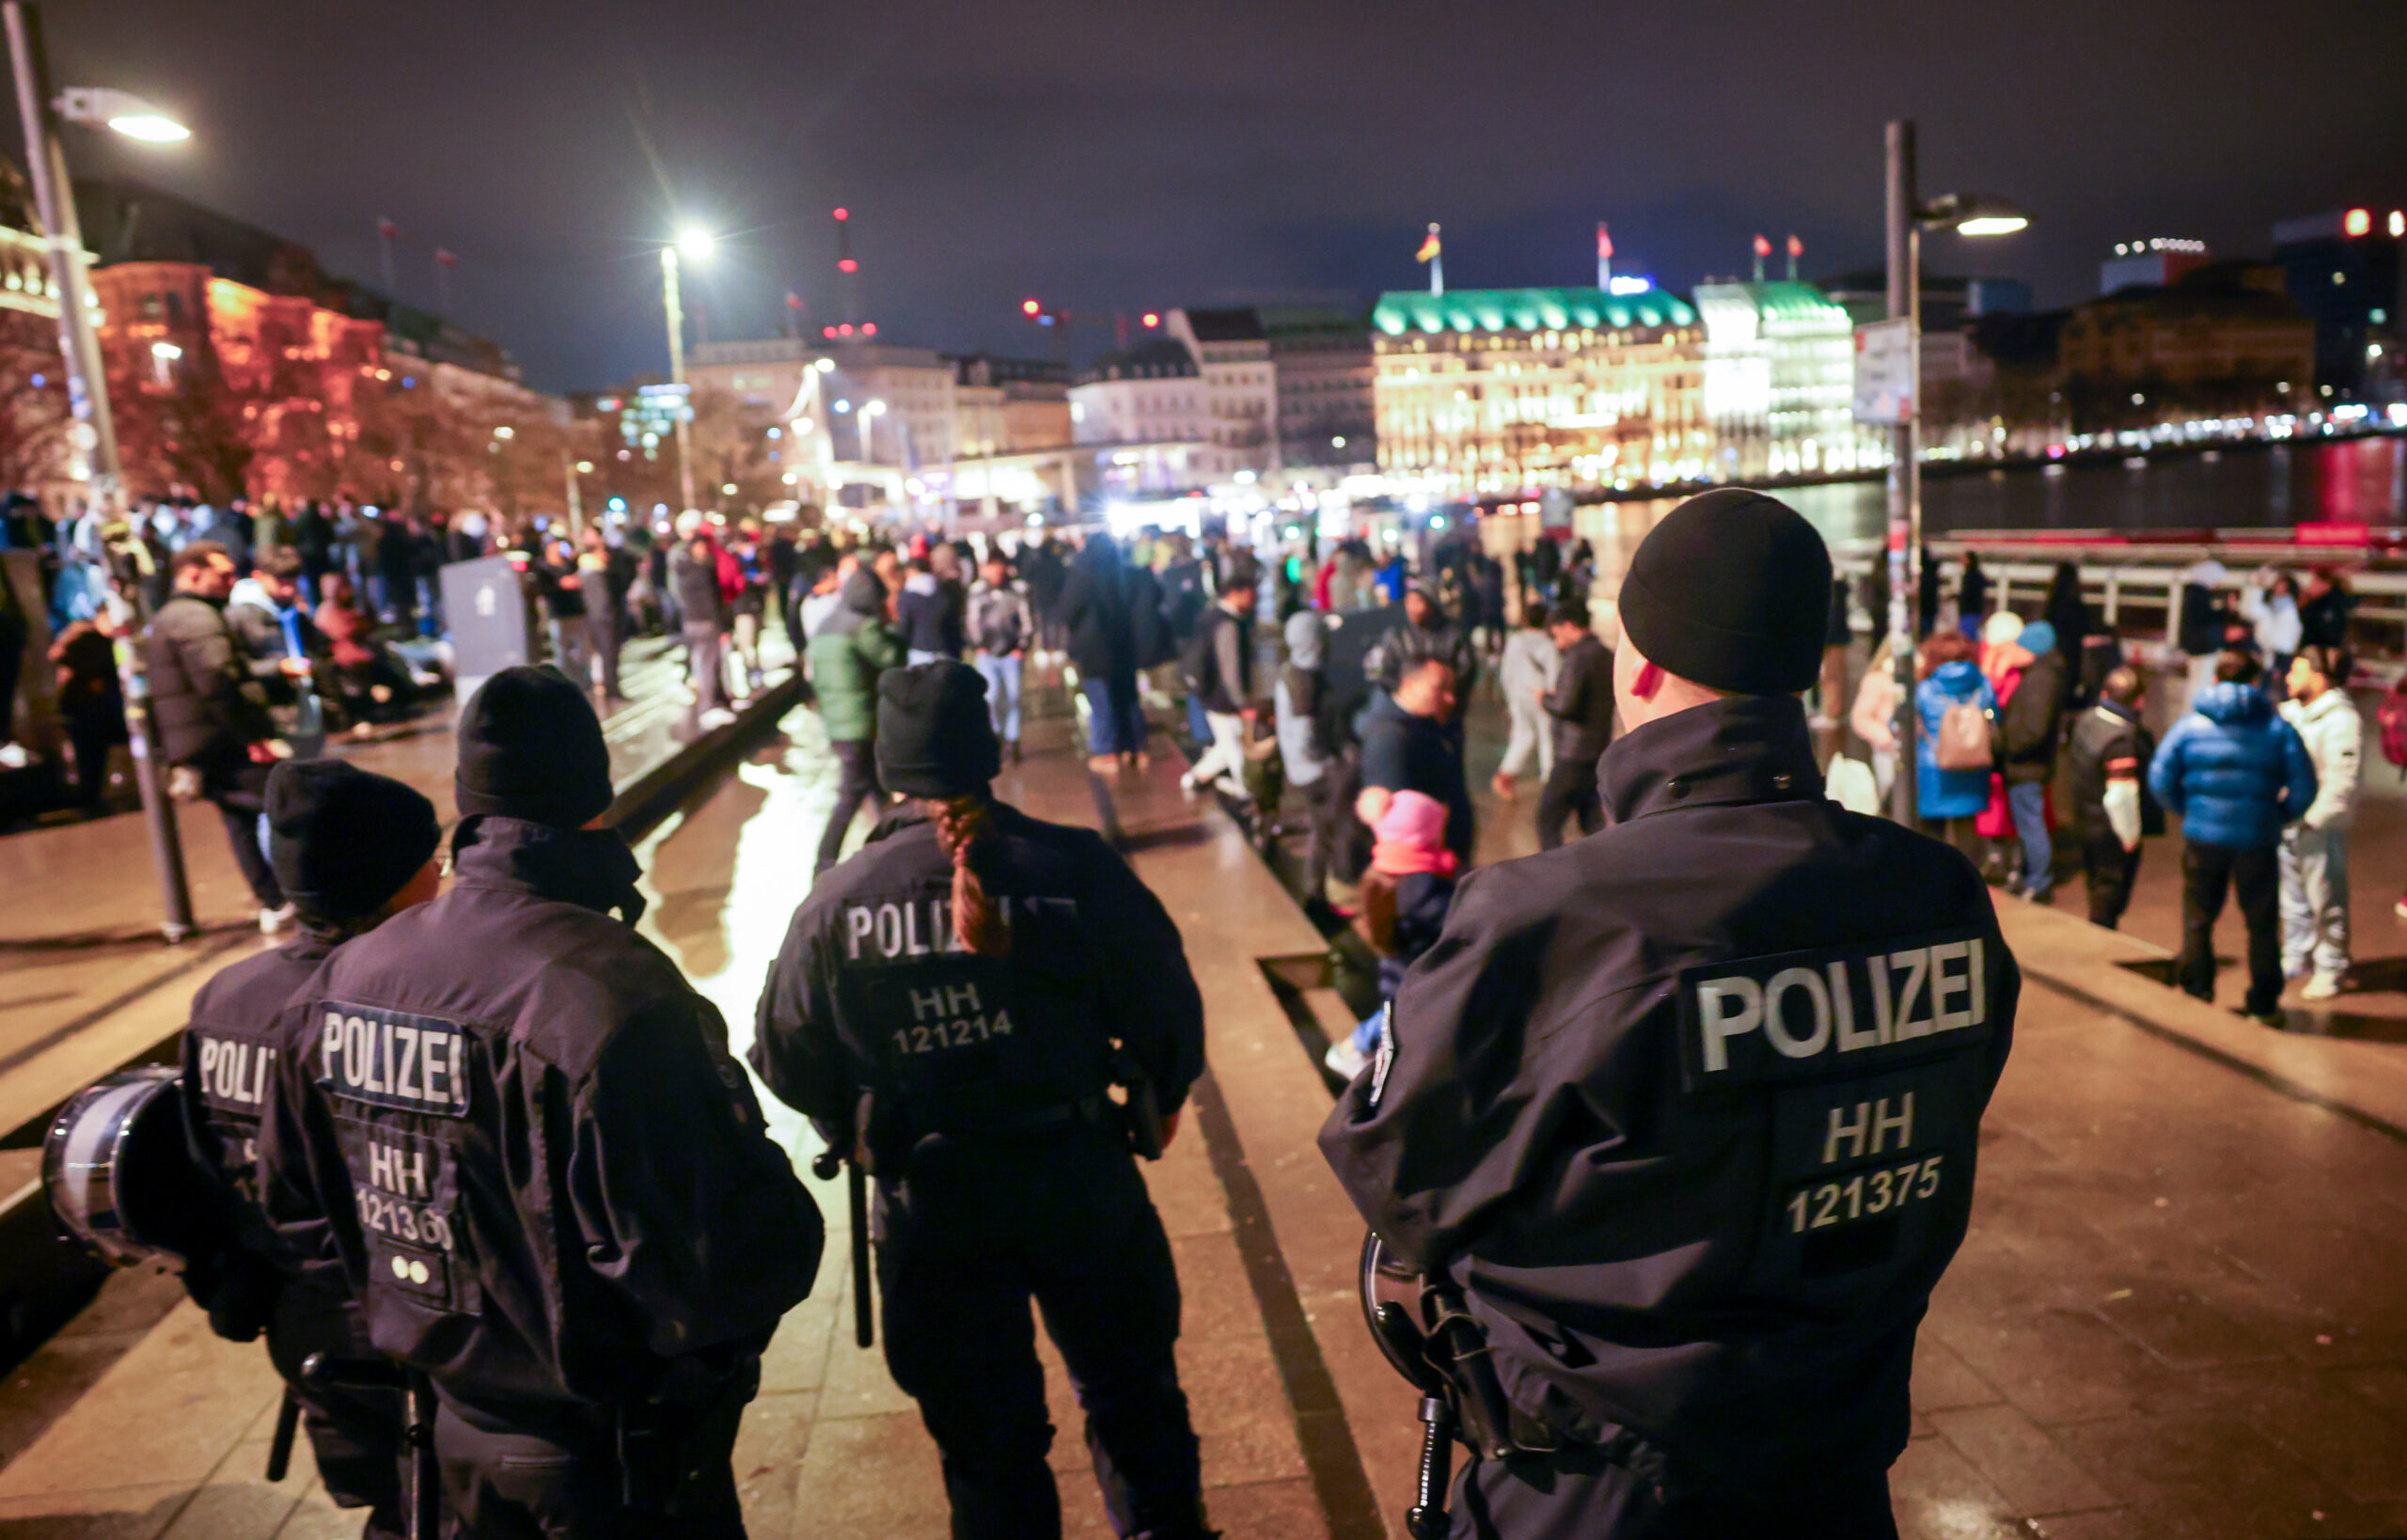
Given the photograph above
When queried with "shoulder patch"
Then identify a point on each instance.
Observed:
(392, 1059)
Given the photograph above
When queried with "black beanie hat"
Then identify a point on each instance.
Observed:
(531, 748)
(342, 840)
(934, 737)
(1732, 590)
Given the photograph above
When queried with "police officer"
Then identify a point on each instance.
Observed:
(1687, 1110)
(350, 849)
(950, 1002)
(521, 1134)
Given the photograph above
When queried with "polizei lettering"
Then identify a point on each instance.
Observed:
(1837, 1010)
(234, 1073)
(391, 1059)
(905, 928)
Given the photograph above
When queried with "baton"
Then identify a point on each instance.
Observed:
(280, 1448)
(856, 1203)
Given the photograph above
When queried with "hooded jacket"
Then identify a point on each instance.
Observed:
(2334, 737)
(851, 648)
(2234, 771)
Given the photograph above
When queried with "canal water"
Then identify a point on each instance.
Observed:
(2352, 482)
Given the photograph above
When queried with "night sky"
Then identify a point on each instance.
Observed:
(1115, 153)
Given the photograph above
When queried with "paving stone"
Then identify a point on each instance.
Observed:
(1937, 1494)
(2020, 1460)
(2312, 1414)
(1216, 1299)
(2180, 1328)
(1941, 1379)
(770, 1451)
(870, 1478)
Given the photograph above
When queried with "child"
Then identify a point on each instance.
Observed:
(1405, 895)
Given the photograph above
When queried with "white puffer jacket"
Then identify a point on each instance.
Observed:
(2335, 735)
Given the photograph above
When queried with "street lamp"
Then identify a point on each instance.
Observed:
(869, 410)
(1909, 215)
(93, 440)
(696, 244)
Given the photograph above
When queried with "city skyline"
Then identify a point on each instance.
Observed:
(1104, 162)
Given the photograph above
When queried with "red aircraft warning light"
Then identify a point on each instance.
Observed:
(843, 214)
(846, 264)
(1030, 307)
(1152, 320)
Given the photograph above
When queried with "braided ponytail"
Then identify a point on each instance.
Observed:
(961, 824)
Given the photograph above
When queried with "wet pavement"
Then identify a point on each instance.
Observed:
(2179, 1314)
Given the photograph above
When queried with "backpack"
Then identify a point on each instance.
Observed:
(2391, 718)
(1964, 741)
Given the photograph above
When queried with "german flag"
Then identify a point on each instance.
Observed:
(1428, 251)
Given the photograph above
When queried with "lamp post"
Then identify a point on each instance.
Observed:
(1908, 217)
(93, 437)
(696, 244)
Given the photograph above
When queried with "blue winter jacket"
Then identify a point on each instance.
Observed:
(2233, 770)
(1948, 794)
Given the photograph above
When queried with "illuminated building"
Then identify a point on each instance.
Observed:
(1505, 389)
(2343, 268)
(917, 427)
(1010, 404)
(237, 364)
(1145, 414)
(1240, 389)
(1778, 382)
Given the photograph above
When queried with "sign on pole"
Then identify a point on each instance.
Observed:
(1884, 384)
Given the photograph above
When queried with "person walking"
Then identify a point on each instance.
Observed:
(1220, 675)
(2030, 727)
(352, 849)
(1001, 631)
(694, 576)
(1633, 1129)
(2108, 752)
(214, 723)
(1582, 706)
(970, 1068)
(1100, 637)
(2315, 850)
(929, 614)
(1309, 742)
(850, 649)
(605, 574)
(1526, 676)
(2236, 773)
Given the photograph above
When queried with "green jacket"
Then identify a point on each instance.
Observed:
(851, 648)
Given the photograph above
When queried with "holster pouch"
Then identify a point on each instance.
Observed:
(1142, 1110)
(665, 1440)
(1458, 1349)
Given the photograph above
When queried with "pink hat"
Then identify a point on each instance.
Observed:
(1414, 820)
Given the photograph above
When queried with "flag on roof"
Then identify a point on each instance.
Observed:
(387, 228)
(1428, 251)
(1763, 245)
(1604, 241)
(446, 258)
(1796, 246)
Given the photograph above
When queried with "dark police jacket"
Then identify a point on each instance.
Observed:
(517, 1130)
(231, 1051)
(873, 993)
(1687, 1108)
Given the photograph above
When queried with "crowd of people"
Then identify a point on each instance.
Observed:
(2261, 762)
(607, 1238)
